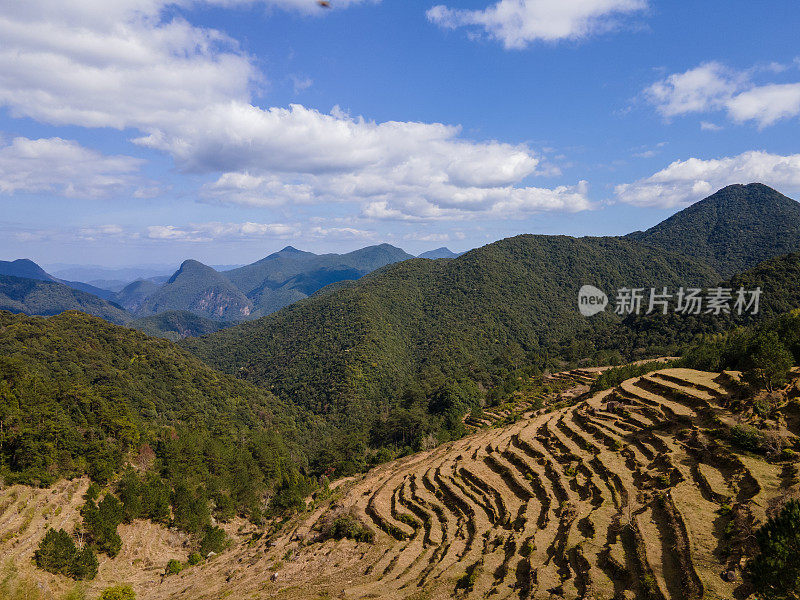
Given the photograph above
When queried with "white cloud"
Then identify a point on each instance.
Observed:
(63, 167)
(714, 87)
(188, 90)
(206, 232)
(517, 23)
(687, 181)
(708, 126)
(340, 233)
(301, 84)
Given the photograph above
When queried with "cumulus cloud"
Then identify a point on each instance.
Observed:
(687, 181)
(714, 87)
(189, 90)
(63, 167)
(517, 23)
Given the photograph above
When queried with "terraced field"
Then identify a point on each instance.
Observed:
(557, 386)
(624, 494)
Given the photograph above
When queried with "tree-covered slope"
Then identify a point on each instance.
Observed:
(421, 322)
(731, 230)
(177, 324)
(657, 334)
(41, 297)
(200, 289)
(80, 395)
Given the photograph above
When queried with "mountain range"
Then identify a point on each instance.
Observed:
(730, 231)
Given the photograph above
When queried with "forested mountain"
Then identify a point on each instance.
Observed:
(199, 289)
(290, 274)
(177, 324)
(80, 395)
(43, 297)
(731, 230)
(421, 325)
(442, 252)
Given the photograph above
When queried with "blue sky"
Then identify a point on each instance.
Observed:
(148, 131)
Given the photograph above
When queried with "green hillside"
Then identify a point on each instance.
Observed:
(40, 297)
(731, 230)
(420, 326)
(177, 324)
(79, 395)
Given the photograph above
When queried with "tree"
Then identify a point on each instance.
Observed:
(101, 521)
(56, 552)
(214, 540)
(84, 564)
(775, 571)
(770, 361)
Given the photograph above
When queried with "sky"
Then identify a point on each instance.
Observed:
(150, 131)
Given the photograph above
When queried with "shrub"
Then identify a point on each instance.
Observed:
(173, 567)
(348, 526)
(746, 437)
(195, 558)
(775, 571)
(118, 592)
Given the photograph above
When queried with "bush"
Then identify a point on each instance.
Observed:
(348, 526)
(195, 558)
(775, 571)
(746, 437)
(214, 540)
(118, 592)
(173, 567)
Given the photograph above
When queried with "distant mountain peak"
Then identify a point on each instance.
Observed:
(291, 249)
(443, 252)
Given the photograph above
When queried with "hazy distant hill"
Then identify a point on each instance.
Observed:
(41, 297)
(177, 324)
(24, 267)
(133, 295)
(732, 230)
(442, 252)
(200, 289)
(290, 274)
